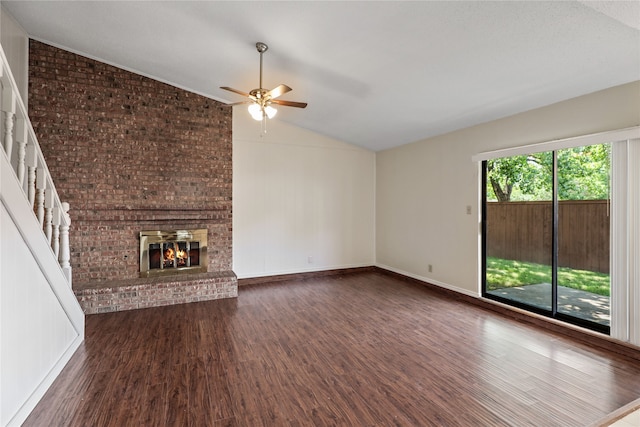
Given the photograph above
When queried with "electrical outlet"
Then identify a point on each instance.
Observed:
(468, 209)
(430, 268)
(310, 260)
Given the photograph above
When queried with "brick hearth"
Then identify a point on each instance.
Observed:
(144, 293)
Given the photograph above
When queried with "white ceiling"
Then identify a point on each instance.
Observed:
(376, 74)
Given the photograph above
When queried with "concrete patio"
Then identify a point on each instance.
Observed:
(574, 302)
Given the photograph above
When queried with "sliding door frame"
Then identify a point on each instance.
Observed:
(625, 228)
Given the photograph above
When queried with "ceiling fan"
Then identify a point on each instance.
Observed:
(261, 100)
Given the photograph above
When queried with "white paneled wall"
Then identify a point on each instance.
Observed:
(36, 331)
(301, 201)
(41, 322)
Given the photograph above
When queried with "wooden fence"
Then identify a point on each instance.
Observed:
(522, 231)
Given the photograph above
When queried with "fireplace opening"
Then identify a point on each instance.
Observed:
(173, 252)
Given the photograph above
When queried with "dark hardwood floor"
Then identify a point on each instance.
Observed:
(360, 349)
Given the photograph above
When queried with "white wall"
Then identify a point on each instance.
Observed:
(298, 194)
(423, 188)
(15, 44)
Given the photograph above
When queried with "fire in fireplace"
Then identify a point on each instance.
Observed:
(173, 252)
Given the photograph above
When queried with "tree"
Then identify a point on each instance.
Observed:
(583, 173)
(526, 175)
(501, 175)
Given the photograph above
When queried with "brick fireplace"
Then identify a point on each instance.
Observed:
(131, 154)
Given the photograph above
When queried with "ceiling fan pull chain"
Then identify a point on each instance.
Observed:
(264, 125)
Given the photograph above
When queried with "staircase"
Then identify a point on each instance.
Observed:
(41, 322)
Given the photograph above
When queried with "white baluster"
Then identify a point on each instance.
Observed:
(41, 184)
(2, 83)
(21, 140)
(31, 161)
(31, 185)
(64, 241)
(9, 109)
(55, 237)
(48, 214)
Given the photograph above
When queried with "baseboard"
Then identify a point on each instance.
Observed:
(618, 414)
(404, 274)
(303, 275)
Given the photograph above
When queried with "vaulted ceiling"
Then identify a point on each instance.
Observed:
(376, 74)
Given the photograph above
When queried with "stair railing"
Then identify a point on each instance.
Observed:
(23, 153)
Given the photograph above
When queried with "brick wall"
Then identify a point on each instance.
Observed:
(130, 153)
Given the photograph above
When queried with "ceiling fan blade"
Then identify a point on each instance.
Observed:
(277, 91)
(239, 92)
(289, 103)
(241, 103)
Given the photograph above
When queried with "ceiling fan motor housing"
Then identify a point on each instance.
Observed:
(262, 47)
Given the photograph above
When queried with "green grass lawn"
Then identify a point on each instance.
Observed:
(504, 273)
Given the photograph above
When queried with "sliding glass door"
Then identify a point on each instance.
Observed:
(546, 233)
(518, 238)
(583, 233)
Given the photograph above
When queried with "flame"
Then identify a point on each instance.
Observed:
(180, 254)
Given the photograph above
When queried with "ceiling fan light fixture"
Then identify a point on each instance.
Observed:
(256, 111)
(270, 111)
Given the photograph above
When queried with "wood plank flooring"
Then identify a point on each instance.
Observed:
(360, 349)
